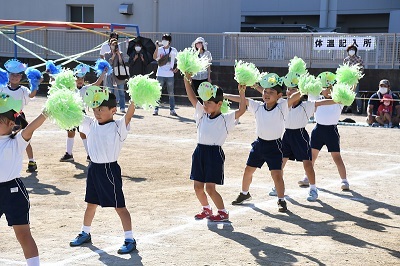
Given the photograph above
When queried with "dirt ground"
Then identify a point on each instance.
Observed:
(358, 227)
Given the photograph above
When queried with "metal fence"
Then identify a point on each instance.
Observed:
(263, 49)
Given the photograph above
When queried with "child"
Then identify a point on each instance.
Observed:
(105, 137)
(385, 111)
(15, 70)
(326, 133)
(267, 148)
(80, 73)
(14, 200)
(208, 158)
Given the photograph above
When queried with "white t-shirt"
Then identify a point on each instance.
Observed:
(299, 115)
(165, 70)
(20, 93)
(213, 131)
(104, 141)
(328, 114)
(105, 48)
(11, 155)
(270, 124)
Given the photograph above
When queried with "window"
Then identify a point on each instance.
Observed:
(81, 14)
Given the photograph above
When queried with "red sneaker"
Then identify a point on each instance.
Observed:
(206, 213)
(220, 217)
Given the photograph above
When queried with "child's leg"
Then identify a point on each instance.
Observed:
(314, 154)
(387, 117)
(84, 140)
(337, 158)
(215, 196)
(70, 141)
(29, 151)
(277, 176)
(248, 177)
(125, 217)
(201, 195)
(379, 119)
(284, 161)
(309, 169)
(89, 214)
(24, 236)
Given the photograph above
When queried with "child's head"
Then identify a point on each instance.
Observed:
(105, 112)
(326, 92)
(272, 95)
(15, 69)
(214, 104)
(7, 122)
(79, 73)
(387, 99)
(291, 90)
(15, 78)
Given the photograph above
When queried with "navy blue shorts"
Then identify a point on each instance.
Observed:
(325, 135)
(14, 202)
(296, 145)
(266, 151)
(104, 185)
(208, 164)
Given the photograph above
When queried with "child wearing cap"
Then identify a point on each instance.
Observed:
(104, 183)
(14, 88)
(385, 111)
(80, 72)
(208, 158)
(14, 200)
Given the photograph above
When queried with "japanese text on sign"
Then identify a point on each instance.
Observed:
(340, 43)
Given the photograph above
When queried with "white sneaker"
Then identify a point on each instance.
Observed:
(345, 185)
(304, 182)
(273, 192)
(312, 195)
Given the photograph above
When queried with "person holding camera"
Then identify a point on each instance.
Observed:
(116, 81)
(165, 57)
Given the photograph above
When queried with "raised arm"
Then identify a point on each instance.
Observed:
(294, 98)
(324, 102)
(189, 90)
(242, 102)
(100, 78)
(32, 126)
(155, 54)
(234, 98)
(129, 113)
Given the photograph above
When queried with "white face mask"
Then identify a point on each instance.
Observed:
(352, 52)
(383, 90)
(138, 48)
(165, 42)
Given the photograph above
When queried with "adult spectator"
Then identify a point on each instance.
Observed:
(137, 61)
(165, 57)
(353, 59)
(105, 47)
(375, 100)
(201, 46)
(117, 81)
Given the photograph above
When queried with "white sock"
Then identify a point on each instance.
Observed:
(31, 160)
(245, 192)
(128, 235)
(344, 180)
(313, 187)
(33, 261)
(281, 198)
(86, 229)
(85, 144)
(70, 145)
(207, 207)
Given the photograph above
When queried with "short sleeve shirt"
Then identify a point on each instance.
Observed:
(328, 114)
(11, 155)
(300, 114)
(19, 93)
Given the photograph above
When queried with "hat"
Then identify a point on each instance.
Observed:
(8, 103)
(111, 101)
(200, 39)
(385, 81)
(81, 70)
(209, 92)
(387, 97)
(96, 96)
(15, 66)
(272, 80)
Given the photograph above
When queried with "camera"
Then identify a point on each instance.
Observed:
(159, 44)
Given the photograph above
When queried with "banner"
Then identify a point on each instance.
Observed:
(340, 43)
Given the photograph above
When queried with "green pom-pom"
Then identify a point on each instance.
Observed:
(297, 65)
(65, 107)
(188, 61)
(225, 106)
(349, 75)
(309, 85)
(64, 80)
(341, 93)
(246, 73)
(144, 91)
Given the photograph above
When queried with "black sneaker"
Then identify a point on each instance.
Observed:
(282, 206)
(67, 158)
(241, 198)
(31, 167)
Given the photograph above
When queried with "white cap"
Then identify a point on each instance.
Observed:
(200, 39)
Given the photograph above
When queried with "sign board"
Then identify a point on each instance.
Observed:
(340, 43)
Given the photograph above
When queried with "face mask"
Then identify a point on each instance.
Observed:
(383, 90)
(352, 52)
(138, 48)
(386, 103)
(165, 42)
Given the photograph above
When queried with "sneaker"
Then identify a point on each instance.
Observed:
(88, 159)
(241, 198)
(123, 111)
(386, 125)
(390, 124)
(345, 185)
(206, 213)
(220, 217)
(304, 182)
(282, 206)
(312, 195)
(273, 192)
(128, 246)
(173, 113)
(375, 124)
(155, 112)
(67, 158)
(81, 239)
(32, 166)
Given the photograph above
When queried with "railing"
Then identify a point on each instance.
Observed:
(263, 49)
